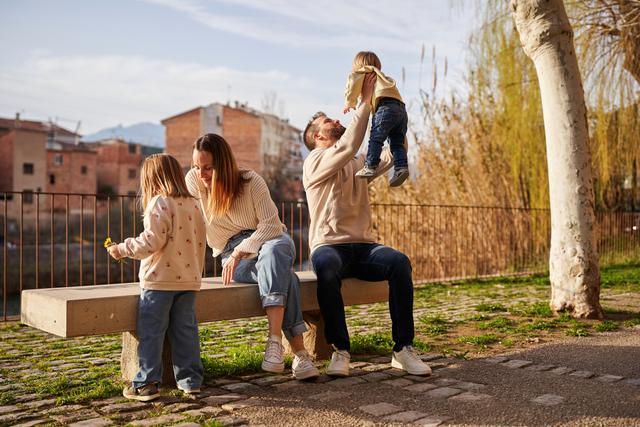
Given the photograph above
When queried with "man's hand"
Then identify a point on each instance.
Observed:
(114, 252)
(346, 109)
(230, 266)
(368, 87)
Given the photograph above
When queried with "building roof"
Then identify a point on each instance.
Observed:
(35, 126)
(180, 114)
(63, 146)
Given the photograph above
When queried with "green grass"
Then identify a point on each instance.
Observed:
(435, 325)
(537, 309)
(238, 361)
(577, 329)
(492, 308)
(501, 324)
(371, 344)
(479, 340)
(541, 325)
(606, 326)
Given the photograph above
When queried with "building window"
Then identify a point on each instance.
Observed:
(57, 160)
(52, 179)
(27, 197)
(132, 149)
(132, 173)
(27, 168)
(83, 170)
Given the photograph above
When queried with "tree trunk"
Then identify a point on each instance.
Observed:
(547, 38)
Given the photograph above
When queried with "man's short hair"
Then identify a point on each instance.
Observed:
(310, 130)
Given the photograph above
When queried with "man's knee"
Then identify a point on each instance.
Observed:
(326, 264)
(401, 263)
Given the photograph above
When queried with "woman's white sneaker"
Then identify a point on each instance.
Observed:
(302, 367)
(273, 356)
(339, 365)
(407, 360)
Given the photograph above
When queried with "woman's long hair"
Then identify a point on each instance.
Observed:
(227, 181)
(161, 175)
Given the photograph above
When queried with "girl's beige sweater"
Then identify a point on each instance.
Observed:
(171, 247)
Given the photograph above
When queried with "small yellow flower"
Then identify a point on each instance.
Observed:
(108, 242)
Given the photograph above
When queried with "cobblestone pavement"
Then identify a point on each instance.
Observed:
(587, 381)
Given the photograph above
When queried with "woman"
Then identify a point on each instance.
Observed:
(243, 227)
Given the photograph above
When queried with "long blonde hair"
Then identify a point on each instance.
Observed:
(227, 181)
(161, 175)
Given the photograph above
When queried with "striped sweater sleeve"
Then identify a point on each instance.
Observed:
(269, 225)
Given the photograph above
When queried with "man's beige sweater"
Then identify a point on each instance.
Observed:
(338, 200)
(252, 210)
(171, 246)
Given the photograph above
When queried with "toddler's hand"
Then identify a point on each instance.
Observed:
(114, 252)
(346, 109)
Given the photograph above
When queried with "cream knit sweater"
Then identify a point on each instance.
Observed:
(252, 210)
(171, 246)
(338, 200)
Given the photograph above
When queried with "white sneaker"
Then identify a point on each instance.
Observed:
(339, 366)
(273, 356)
(303, 367)
(407, 360)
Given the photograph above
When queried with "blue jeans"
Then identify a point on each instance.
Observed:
(172, 311)
(273, 271)
(389, 121)
(365, 261)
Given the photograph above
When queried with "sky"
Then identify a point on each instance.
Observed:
(99, 64)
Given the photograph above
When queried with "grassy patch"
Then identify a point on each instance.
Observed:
(501, 324)
(540, 325)
(537, 309)
(576, 329)
(435, 325)
(371, 344)
(479, 340)
(237, 361)
(492, 308)
(606, 326)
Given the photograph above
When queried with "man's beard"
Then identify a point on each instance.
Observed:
(336, 132)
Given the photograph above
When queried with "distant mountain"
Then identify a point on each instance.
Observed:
(141, 133)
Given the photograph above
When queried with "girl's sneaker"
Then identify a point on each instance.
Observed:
(273, 356)
(145, 393)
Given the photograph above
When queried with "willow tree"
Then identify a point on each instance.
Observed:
(547, 38)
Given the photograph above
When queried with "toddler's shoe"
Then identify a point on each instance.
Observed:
(146, 393)
(273, 356)
(303, 367)
(366, 172)
(399, 176)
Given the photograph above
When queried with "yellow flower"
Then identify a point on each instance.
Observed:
(108, 242)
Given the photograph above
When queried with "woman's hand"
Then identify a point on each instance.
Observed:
(230, 266)
(114, 252)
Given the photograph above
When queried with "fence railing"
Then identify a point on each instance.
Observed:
(56, 240)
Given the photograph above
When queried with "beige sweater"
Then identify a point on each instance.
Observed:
(338, 200)
(385, 87)
(171, 246)
(253, 210)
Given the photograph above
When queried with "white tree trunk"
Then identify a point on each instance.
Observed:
(547, 38)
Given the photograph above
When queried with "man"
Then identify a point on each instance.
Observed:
(340, 235)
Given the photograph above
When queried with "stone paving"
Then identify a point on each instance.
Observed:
(375, 394)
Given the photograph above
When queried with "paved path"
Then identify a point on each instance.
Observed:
(581, 381)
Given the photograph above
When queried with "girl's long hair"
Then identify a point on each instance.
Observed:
(227, 181)
(161, 175)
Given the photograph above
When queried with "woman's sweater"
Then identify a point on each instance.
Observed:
(252, 210)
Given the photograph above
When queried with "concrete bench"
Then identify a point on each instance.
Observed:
(107, 309)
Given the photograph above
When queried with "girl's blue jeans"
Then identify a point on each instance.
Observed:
(172, 312)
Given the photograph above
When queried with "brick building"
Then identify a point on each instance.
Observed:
(119, 165)
(262, 142)
(71, 168)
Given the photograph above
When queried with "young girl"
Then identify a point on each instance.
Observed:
(389, 117)
(171, 248)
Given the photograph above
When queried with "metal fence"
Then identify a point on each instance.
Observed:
(56, 240)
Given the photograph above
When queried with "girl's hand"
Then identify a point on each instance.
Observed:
(230, 266)
(114, 252)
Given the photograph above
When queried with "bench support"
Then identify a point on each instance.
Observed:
(129, 359)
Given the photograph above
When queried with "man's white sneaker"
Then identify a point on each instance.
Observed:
(407, 360)
(273, 356)
(339, 365)
(303, 367)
